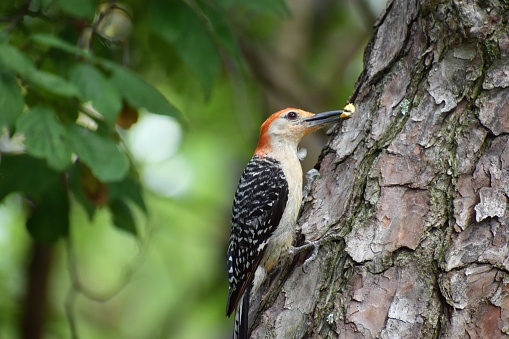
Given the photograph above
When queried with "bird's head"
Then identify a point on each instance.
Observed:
(290, 125)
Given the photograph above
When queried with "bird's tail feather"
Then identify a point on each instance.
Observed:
(241, 317)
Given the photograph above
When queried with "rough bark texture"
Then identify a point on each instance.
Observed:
(413, 190)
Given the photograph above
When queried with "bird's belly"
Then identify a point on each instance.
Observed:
(282, 239)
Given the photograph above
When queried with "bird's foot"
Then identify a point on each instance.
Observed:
(308, 245)
(312, 245)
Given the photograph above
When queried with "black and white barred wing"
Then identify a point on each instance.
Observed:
(258, 206)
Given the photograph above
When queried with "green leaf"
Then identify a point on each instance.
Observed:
(261, 6)
(23, 173)
(45, 4)
(11, 99)
(95, 87)
(187, 31)
(223, 32)
(79, 8)
(138, 93)
(4, 37)
(50, 215)
(46, 137)
(53, 41)
(128, 188)
(12, 59)
(122, 216)
(53, 83)
(44, 188)
(101, 154)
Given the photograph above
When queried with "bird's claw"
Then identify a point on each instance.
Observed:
(307, 245)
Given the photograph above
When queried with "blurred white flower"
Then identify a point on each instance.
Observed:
(154, 141)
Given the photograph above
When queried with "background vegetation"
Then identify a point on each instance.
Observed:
(125, 127)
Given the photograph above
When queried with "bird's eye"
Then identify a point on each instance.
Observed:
(292, 115)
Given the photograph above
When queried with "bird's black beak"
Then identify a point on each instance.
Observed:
(326, 117)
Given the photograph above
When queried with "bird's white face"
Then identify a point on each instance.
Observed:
(290, 124)
(287, 127)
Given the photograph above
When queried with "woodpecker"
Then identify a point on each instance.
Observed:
(266, 205)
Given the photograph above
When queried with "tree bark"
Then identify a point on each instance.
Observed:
(412, 197)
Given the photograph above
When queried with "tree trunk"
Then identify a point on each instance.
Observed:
(413, 189)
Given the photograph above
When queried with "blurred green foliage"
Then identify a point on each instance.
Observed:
(75, 77)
